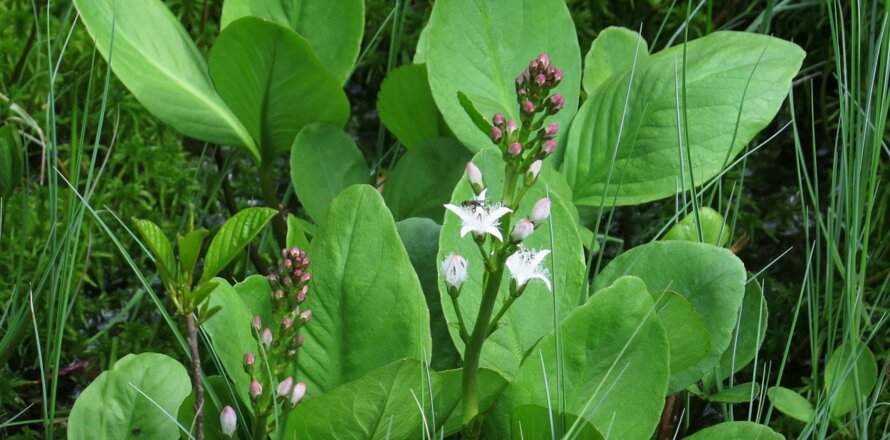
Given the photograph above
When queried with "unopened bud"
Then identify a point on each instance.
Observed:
(228, 421)
(531, 176)
(540, 211)
(496, 134)
(474, 175)
(522, 230)
(528, 107)
(297, 393)
(540, 79)
(514, 149)
(266, 338)
(556, 103)
(454, 267)
(305, 316)
(511, 127)
(255, 389)
(557, 77)
(285, 387)
(249, 362)
(549, 147)
(498, 119)
(551, 130)
(257, 323)
(287, 322)
(300, 340)
(544, 60)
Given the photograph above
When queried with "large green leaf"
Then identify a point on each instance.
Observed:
(234, 235)
(736, 430)
(421, 239)
(614, 51)
(421, 182)
(231, 334)
(479, 47)
(368, 306)
(531, 316)
(711, 278)
(153, 56)
(382, 404)
(538, 422)
(137, 398)
(449, 412)
(333, 27)
(323, 162)
(406, 106)
(730, 77)
(850, 374)
(687, 336)
(274, 83)
(614, 360)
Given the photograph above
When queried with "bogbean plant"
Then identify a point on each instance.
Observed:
(443, 325)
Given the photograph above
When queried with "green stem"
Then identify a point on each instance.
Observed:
(259, 428)
(270, 194)
(504, 307)
(464, 336)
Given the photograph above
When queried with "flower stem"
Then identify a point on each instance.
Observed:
(196, 375)
(464, 336)
(504, 307)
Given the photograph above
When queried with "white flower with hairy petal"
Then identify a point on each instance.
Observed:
(525, 265)
(479, 218)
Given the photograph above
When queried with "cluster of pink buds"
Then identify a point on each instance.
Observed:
(278, 344)
(531, 141)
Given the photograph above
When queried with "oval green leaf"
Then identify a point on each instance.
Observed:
(850, 375)
(615, 364)
(368, 305)
(421, 182)
(791, 404)
(613, 51)
(744, 392)
(713, 228)
(233, 236)
(737, 430)
(138, 397)
(406, 106)
(155, 58)
(711, 278)
(231, 334)
(687, 336)
(333, 28)
(479, 47)
(531, 316)
(274, 82)
(323, 162)
(731, 77)
(160, 247)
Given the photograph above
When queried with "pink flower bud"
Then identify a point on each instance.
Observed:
(272, 278)
(543, 59)
(297, 393)
(540, 211)
(266, 338)
(305, 316)
(557, 102)
(301, 296)
(522, 91)
(474, 175)
(557, 76)
(285, 387)
(496, 134)
(300, 340)
(295, 250)
(249, 360)
(255, 388)
(522, 230)
(288, 262)
(551, 130)
(511, 127)
(549, 146)
(533, 65)
(228, 421)
(306, 277)
(514, 149)
(287, 322)
(541, 79)
(498, 119)
(528, 107)
(257, 323)
(279, 294)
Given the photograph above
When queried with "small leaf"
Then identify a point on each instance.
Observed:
(791, 404)
(478, 120)
(234, 235)
(190, 248)
(713, 228)
(231, 334)
(850, 375)
(407, 108)
(112, 406)
(323, 162)
(740, 393)
(160, 247)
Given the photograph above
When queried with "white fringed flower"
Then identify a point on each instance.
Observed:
(479, 218)
(525, 265)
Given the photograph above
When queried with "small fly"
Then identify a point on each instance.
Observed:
(474, 203)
